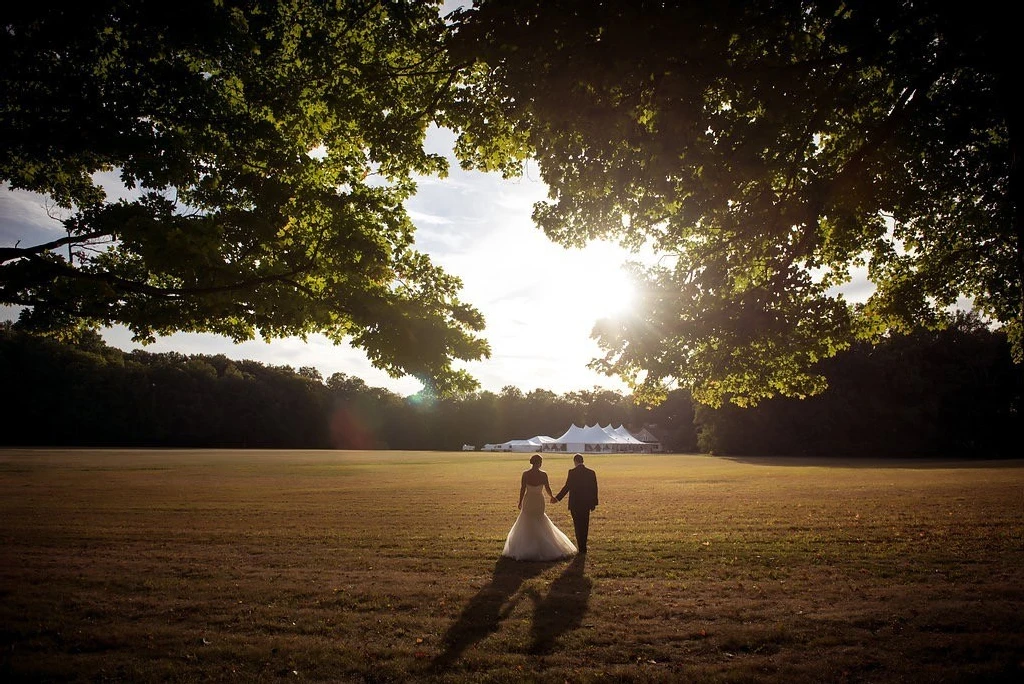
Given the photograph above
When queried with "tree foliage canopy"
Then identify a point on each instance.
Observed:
(267, 148)
(770, 150)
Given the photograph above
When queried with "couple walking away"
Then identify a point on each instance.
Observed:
(534, 537)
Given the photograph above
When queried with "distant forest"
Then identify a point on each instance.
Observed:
(931, 394)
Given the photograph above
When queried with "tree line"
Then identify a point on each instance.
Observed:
(948, 393)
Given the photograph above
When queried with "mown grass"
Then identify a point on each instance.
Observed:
(182, 566)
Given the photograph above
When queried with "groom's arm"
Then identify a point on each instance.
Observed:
(565, 488)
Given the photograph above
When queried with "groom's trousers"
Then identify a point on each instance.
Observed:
(581, 521)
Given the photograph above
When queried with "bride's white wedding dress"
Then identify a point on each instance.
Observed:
(534, 537)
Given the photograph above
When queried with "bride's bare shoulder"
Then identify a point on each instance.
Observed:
(534, 476)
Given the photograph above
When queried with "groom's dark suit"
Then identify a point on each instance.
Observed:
(581, 484)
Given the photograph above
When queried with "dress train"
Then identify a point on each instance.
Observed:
(533, 536)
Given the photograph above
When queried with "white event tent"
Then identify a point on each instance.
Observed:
(590, 439)
(596, 439)
(520, 445)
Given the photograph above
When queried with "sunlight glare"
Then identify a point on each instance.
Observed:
(613, 293)
(599, 287)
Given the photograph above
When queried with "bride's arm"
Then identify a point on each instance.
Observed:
(547, 486)
(522, 490)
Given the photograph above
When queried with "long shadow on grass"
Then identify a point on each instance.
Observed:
(562, 609)
(485, 611)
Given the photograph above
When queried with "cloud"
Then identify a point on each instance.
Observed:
(476, 226)
(28, 217)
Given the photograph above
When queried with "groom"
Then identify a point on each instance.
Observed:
(581, 484)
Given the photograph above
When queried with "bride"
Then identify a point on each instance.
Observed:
(534, 537)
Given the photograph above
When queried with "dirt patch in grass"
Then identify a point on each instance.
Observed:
(149, 566)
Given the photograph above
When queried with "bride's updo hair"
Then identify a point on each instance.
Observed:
(536, 460)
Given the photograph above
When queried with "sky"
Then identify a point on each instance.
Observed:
(540, 300)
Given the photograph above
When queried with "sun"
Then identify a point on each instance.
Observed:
(613, 292)
(600, 284)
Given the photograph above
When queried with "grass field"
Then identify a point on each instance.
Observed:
(180, 566)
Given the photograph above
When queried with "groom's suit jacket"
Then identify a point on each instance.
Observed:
(581, 484)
